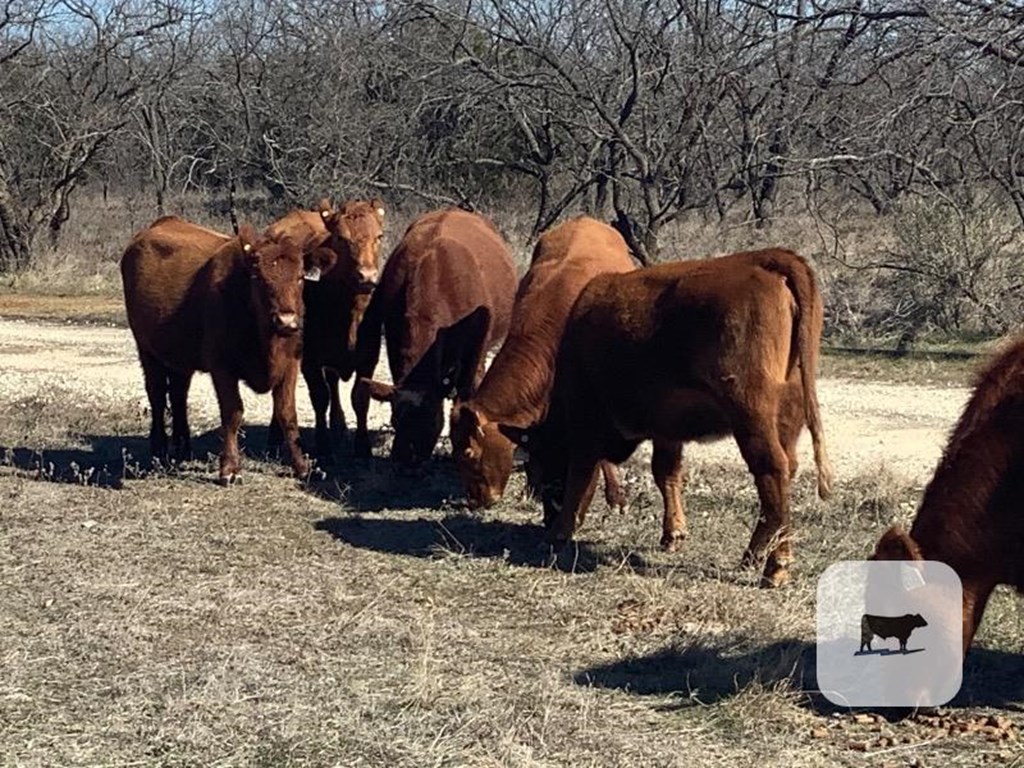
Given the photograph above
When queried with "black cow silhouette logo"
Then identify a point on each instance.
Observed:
(885, 627)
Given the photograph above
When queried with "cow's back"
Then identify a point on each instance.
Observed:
(565, 259)
(447, 264)
(305, 228)
(656, 345)
(166, 275)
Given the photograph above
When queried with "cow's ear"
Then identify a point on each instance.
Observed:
(380, 391)
(896, 544)
(378, 207)
(473, 420)
(324, 208)
(248, 239)
(318, 262)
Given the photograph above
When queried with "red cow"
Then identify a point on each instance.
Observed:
(335, 300)
(444, 300)
(695, 350)
(517, 387)
(198, 300)
(970, 516)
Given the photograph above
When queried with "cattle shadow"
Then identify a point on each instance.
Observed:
(463, 533)
(888, 652)
(708, 672)
(99, 461)
(107, 461)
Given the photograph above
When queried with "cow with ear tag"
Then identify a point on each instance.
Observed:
(444, 299)
(346, 242)
(198, 300)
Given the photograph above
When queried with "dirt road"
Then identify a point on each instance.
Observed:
(868, 424)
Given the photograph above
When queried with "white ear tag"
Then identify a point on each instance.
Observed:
(312, 274)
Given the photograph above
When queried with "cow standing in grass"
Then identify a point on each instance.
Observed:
(198, 300)
(335, 300)
(695, 350)
(515, 392)
(971, 515)
(444, 299)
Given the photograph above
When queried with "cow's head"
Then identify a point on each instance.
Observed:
(917, 620)
(276, 267)
(417, 416)
(483, 455)
(547, 463)
(356, 233)
(896, 544)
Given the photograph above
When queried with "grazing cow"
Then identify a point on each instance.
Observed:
(970, 516)
(198, 300)
(444, 299)
(885, 627)
(517, 387)
(693, 350)
(336, 300)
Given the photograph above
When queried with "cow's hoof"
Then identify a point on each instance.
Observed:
(232, 479)
(673, 541)
(778, 578)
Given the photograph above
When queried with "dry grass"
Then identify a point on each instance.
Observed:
(156, 619)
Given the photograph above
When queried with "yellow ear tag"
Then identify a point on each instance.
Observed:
(247, 247)
(380, 212)
(325, 214)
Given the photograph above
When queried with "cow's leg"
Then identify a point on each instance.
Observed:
(338, 425)
(580, 480)
(181, 435)
(587, 499)
(319, 396)
(975, 597)
(156, 375)
(759, 444)
(614, 496)
(360, 407)
(231, 409)
(667, 467)
(284, 414)
(791, 420)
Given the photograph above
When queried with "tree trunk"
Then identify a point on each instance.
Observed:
(15, 238)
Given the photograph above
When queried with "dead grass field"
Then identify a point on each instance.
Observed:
(150, 617)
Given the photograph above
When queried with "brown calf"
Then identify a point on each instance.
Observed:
(444, 299)
(198, 300)
(517, 387)
(688, 351)
(335, 300)
(970, 517)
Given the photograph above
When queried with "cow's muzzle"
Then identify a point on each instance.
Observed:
(286, 323)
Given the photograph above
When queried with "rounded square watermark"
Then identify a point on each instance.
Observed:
(890, 633)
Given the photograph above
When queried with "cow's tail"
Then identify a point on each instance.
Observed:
(810, 321)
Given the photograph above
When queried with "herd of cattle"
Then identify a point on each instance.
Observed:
(596, 356)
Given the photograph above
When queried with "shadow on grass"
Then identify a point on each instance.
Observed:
(106, 461)
(707, 672)
(465, 534)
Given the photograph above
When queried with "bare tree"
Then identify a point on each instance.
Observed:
(66, 95)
